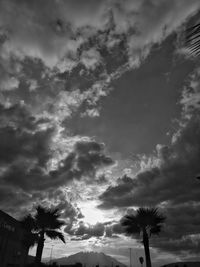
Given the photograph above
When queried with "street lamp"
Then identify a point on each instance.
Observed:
(50, 258)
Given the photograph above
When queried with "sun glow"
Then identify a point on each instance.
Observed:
(91, 213)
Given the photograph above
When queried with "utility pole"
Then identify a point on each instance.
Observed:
(50, 258)
(130, 258)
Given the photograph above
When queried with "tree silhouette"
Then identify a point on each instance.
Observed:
(145, 221)
(45, 222)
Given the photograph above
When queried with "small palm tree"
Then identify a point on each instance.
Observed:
(145, 221)
(44, 223)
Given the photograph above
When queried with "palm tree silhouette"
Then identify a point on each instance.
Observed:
(45, 222)
(145, 221)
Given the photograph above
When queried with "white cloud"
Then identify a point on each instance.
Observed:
(9, 83)
(94, 112)
(52, 30)
(91, 58)
(33, 84)
(191, 94)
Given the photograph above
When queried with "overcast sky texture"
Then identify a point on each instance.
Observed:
(99, 114)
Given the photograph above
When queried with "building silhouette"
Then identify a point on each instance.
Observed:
(13, 248)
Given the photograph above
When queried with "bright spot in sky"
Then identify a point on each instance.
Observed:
(91, 213)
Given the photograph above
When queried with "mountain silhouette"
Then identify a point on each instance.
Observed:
(182, 264)
(90, 259)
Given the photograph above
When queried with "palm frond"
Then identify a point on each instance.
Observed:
(130, 225)
(55, 235)
(149, 217)
(46, 221)
(48, 218)
(30, 240)
(192, 39)
(127, 219)
(145, 219)
(191, 31)
(41, 217)
(56, 223)
(28, 223)
(155, 230)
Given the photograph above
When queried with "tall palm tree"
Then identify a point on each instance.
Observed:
(45, 222)
(145, 221)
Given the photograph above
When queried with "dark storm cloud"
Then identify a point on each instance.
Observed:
(61, 48)
(16, 144)
(113, 229)
(55, 198)
(184, 222)
(19, 202)
(70, 213)
(20, 138)
(70, 210)
(27, 146)
(183, 247)
(11, 200)
(125, 185)
(172, 180)
(172, 185)
(84, 161)
(84, 231)
(25, 152)
(169, 181)
(91, 157)
(181, 232)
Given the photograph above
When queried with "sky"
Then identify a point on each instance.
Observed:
(99, 115)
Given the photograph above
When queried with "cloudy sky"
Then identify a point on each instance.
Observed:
(99, 114)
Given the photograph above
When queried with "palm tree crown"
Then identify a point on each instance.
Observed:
(148, 219)
(44, 223)
(46, 220)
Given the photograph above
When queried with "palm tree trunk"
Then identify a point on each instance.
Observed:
(39, 251)
(146, 248)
